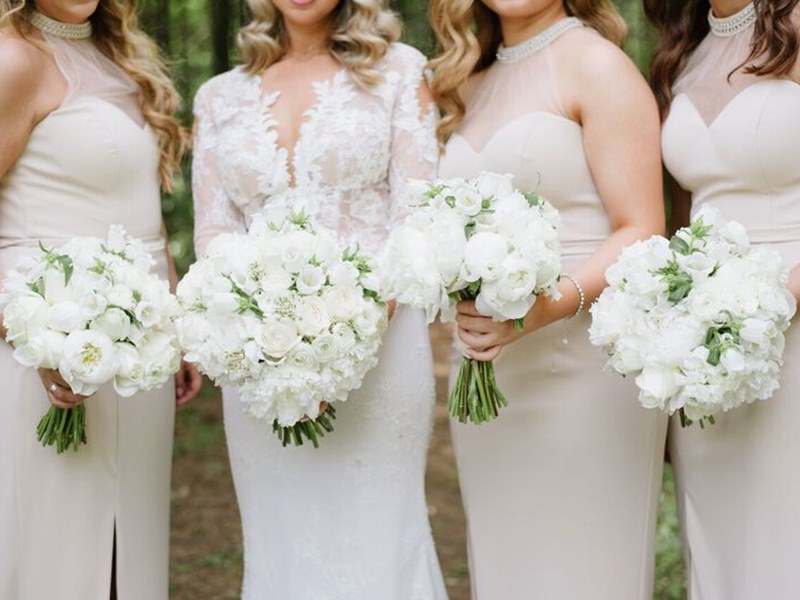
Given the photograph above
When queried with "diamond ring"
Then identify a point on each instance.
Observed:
(53, 388)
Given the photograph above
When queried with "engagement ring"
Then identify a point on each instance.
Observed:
(53, 388)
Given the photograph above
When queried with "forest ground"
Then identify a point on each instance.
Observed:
(206, 561)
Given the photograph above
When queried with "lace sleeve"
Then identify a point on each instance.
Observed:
(214, 213)
(414, 152)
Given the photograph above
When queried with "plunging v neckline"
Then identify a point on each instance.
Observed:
(288, 153)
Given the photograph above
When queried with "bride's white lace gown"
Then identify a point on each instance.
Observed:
(347, 521)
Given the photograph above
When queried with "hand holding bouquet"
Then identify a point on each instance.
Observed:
(92, 310)
(698, 319)
(479, 240)
(286, 315)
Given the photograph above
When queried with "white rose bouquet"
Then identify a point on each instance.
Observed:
(92, 310)
(474, 239)
(286, 315)
(698, 319)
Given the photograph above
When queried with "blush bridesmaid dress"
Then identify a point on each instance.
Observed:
(734, 143)
(561, 490)
(90, 163)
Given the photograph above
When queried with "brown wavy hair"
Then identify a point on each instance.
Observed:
(468, 35)
(683, 24)
(117, 35)
(361, 33)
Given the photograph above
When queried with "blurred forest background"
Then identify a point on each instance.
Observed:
(199, 36)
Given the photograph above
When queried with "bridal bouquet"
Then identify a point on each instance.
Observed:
(287, 316)
(92, 310)
(474, 239)
(699, 319)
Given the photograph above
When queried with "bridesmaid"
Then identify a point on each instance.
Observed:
(726, 76)
(561, 490)
(86, 115)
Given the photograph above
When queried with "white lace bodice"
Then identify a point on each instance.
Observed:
(349, 167)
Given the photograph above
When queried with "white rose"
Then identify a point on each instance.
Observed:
(66, 316)
(302, 356)
(325, 348)
(115, 323)
(130, 376)
(312, 316)
(277, 338)
(468, 201)
(342, 302)
(88, 361)
(310, 280)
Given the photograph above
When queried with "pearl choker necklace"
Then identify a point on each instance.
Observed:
(69, 31)
(540, 40)
(730, 26)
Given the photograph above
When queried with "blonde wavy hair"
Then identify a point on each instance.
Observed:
(361, 33)
(117, 35)
(468, 35)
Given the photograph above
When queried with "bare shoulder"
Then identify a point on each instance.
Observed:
(596, 76)
(21, 68)
(585, 54)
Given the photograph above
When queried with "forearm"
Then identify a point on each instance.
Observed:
(172, 272)
(590, 275)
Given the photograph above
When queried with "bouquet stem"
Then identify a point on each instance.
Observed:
(687, 422)
(306, 430)
(475, 396)
(63, 428)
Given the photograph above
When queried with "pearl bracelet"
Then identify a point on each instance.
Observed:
(581, 295)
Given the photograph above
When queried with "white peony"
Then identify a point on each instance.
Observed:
(88, 361)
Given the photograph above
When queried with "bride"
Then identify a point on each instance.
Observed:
(330, 114)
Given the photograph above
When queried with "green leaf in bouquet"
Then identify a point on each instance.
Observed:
(534, 199)
(679, 282)
(300, 219)
(679, 245)
(699, 229)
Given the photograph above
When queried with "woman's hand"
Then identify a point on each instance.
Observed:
(391, 306)
(188, 383)
(485, 338)
(58, 391)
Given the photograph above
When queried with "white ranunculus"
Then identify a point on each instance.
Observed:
(325, 348)
(302, 356)
(115, 323)
(277, 338)
(345, 336)
(312, 316)
(88, 361)
(468, 201)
